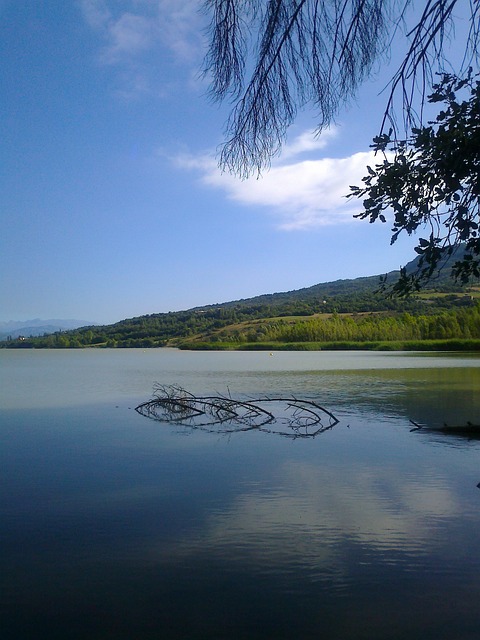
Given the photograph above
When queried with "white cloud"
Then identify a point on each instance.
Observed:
(303, 194)
(307, 142)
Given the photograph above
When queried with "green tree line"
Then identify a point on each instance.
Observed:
(454, 324)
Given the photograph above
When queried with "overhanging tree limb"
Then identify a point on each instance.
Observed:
(318, 52)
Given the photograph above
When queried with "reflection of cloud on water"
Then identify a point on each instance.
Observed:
(319, 516)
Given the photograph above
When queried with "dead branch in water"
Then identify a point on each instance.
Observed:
(291, 417)
(468, 429)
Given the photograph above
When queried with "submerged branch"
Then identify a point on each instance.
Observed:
(289, 417)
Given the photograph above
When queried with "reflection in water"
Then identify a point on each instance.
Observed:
(318, 514)
(364, 545)
(116, 527)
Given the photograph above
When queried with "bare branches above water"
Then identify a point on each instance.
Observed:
(287, 416)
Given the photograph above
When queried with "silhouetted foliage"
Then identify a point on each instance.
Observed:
(272, 57)
(432, 181)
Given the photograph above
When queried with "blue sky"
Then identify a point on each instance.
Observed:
(112, 204)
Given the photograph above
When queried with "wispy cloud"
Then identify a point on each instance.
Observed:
(180, 27)
(95, 13)
(128, 36)
(300, 194)
(308, 142)
(136, 36)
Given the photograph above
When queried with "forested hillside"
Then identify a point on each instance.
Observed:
(342, 311)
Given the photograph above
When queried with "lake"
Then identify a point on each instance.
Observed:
(117, 526)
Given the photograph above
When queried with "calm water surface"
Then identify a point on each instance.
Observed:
(114, 526)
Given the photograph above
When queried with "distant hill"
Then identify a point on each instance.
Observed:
(38, 327)
(276, 316)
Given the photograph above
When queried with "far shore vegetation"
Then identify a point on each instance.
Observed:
(349, 320)
(384, 345)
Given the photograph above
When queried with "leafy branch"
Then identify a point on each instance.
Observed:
(431, 181)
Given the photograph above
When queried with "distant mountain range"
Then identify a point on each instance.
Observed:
(38, 327)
